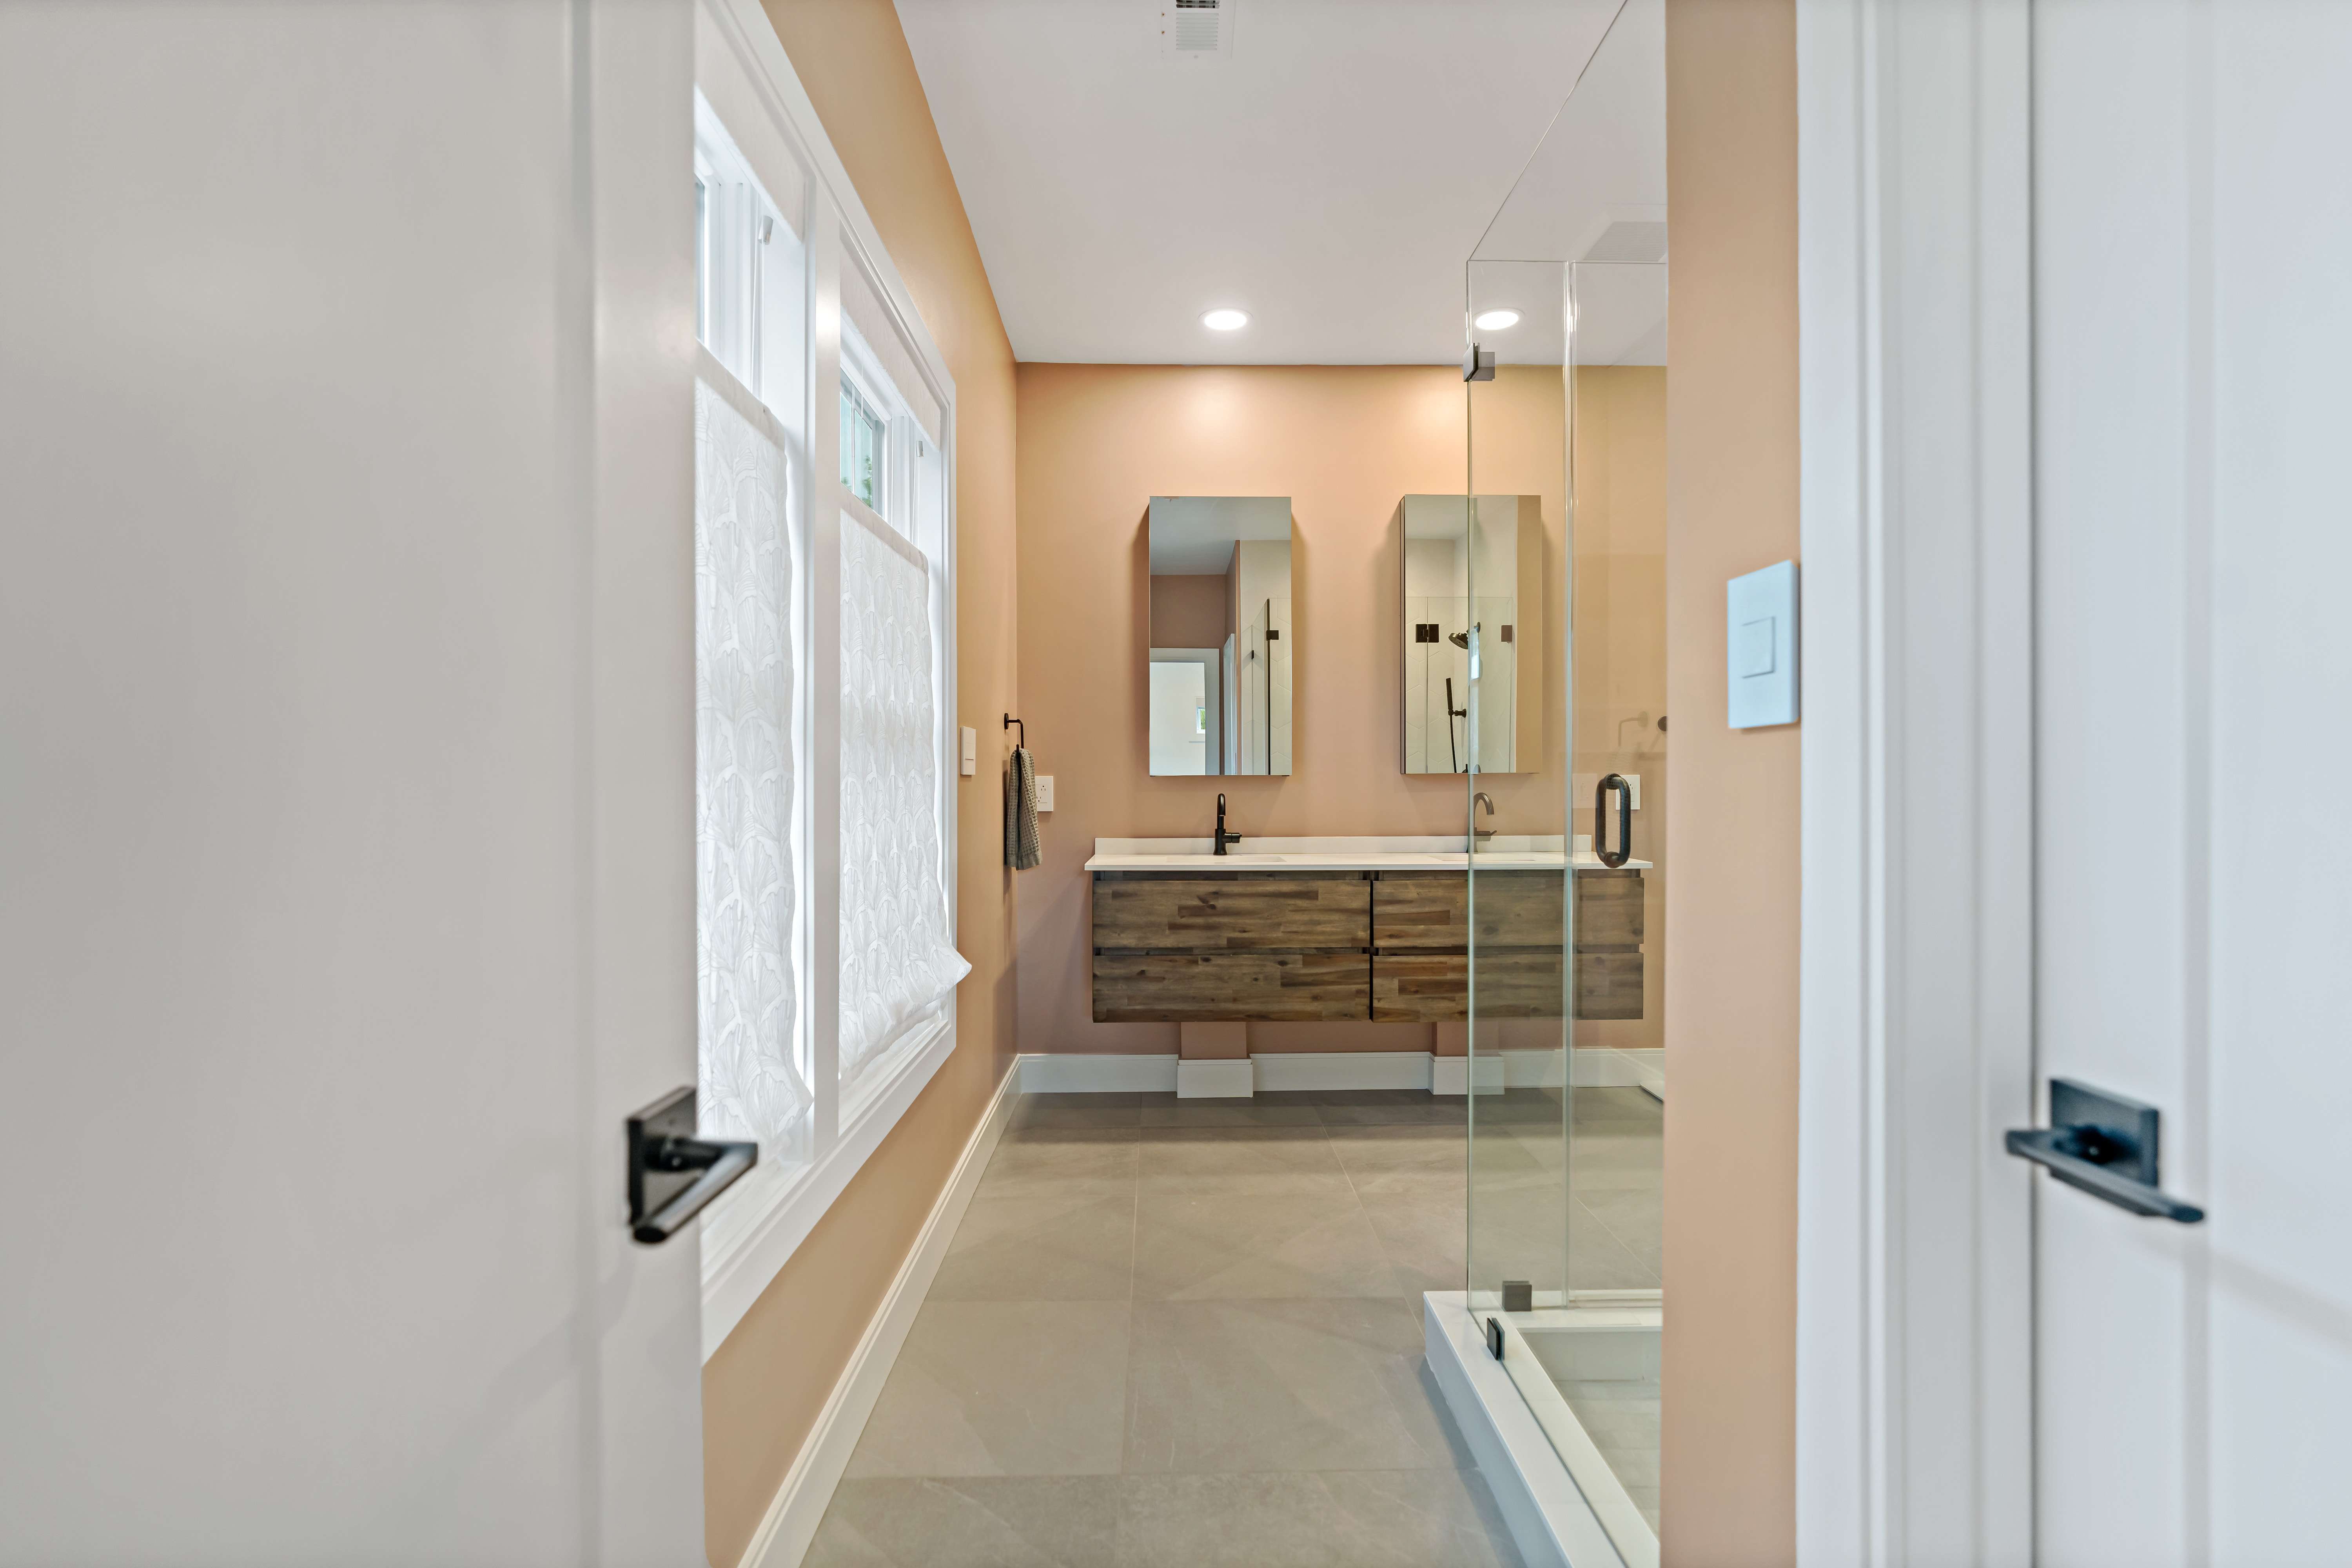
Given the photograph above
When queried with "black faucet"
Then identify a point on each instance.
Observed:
(1223, 838)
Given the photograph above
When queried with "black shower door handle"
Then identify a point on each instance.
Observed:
(1624, 850)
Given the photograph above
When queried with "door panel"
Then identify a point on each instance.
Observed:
(345, 661)
(2194, 1384)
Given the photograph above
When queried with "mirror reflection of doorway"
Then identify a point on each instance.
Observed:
(1187, 719)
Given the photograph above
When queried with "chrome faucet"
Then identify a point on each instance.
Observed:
(1488, 802)
(1223, 838)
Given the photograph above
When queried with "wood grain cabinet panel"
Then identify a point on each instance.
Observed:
(1193, 911)
(1306, 946)
(1216, 988)
(1434, 987)
(1430, 910)
(1607, 909)
(1609, 930)
(1424, 910)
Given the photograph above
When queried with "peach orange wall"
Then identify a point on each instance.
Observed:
(1728, 1451)
(1345, 443)
(1189, 611)
(1620, 432)
(762, 1391)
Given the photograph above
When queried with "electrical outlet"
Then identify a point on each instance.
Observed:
(1044, 792)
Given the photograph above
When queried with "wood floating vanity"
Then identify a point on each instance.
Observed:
(1324, 932)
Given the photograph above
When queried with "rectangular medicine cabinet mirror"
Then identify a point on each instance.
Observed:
(1222, 649)
(1473, 602)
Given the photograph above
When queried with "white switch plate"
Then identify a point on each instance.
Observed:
(1760, 638)
(1044, 791)
(971, 751)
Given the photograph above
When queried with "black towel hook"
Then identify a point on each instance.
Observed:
(1009, 723)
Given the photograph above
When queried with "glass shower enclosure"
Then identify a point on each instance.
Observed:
(1565, 311)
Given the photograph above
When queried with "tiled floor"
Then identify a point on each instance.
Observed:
(1190, 1333)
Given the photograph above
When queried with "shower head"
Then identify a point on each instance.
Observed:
(1460, 639)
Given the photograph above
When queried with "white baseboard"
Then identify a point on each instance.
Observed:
(1612, 1069)
(1216, 1078)
(1278, 1070)
(1451, 1074)
(1097, 1074)
(784, 1536)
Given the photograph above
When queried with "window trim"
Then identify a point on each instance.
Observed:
(752, 1230)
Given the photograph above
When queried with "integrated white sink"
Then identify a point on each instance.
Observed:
(1519, 851)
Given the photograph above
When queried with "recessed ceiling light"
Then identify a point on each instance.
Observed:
(1495, 321)
(1225, 321)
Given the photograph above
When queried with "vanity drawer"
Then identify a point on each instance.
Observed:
(1607, 909)
(1430, 909)
(1608, 984)
(1434, 987)
(1228, 987)
(1194, 912)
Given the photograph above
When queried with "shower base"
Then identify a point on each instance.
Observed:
(1564, 1425)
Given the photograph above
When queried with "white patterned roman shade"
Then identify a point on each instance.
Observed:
(898, 951)
(751, 1084)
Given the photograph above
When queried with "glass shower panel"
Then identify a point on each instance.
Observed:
(1520, 1206)
(1567, 292)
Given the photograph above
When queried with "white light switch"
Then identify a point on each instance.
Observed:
(971, 751)
(1760, 640)
(1044, 791)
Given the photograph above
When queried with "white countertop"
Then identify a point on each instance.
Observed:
(1504, 851)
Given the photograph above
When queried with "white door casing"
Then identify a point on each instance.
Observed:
(2150, 196)
(345, 694)
(1914, 1355)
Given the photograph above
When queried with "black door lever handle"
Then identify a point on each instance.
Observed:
(673, 1174)
(2105, 1146)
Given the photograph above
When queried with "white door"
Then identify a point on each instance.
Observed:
(2193, 415)
(346, 781)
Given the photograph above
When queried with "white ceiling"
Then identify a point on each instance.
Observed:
(1331, 176)
(1193, 536)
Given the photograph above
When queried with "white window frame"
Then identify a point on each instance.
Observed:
(742, 72)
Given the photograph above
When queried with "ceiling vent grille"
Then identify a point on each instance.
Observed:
(1196, 29)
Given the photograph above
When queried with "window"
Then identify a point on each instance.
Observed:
(825, 782)
(864, 444)
(750, 272)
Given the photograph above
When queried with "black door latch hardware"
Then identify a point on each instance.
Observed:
(673, 1174)
(2105, 1146)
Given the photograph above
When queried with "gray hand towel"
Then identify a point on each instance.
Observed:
(1021, 812)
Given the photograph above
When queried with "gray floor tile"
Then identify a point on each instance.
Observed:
(1032, 1160)
(1349, 1519)
(1234, 1240)
(1415, 1108)
(1620, 1103)
(1025, 1521)
(1075, 1245)
(1189, 1333)
(1635, 1216)
(1282, 1386)
(997, 1388)
(1416, 1150)
(1421, 1231)
(1031, 1115)
(1199, 1158)
(1261, 1111)
(1598, 1261)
